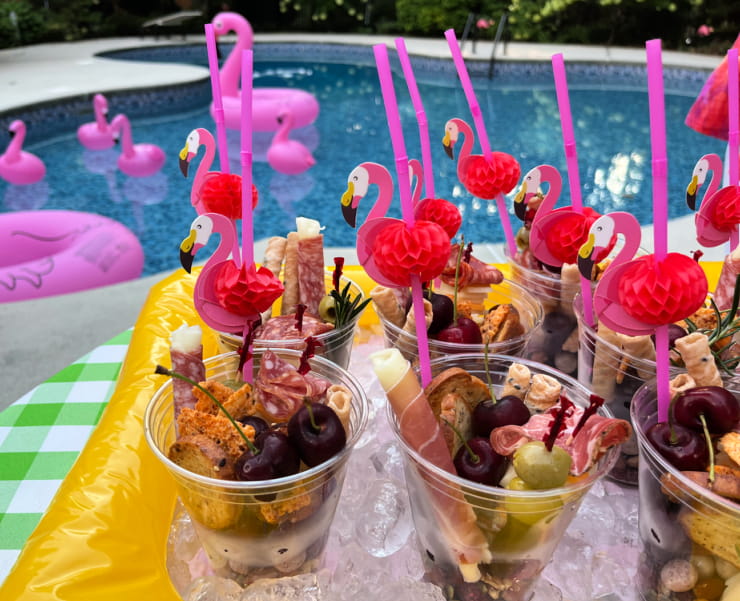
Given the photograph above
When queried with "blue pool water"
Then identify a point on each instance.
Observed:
(609, 105)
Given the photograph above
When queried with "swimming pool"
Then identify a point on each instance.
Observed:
(609, 104)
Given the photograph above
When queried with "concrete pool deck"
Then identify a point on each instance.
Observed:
(42, 336)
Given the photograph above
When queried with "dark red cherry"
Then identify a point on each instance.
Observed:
(275, 458)
(684, 449)
(487, 467)
(463, 331)
(317, 433)
(443, 310)
(719, 406)
(675, 332)
(508, 410)
(257, 423)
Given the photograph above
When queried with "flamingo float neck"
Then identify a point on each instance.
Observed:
(121, 125)
(282, 134)
(230, 72)
(100, 107)
(14, 150)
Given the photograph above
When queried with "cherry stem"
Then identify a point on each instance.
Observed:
(473, 456)
(488, 372)
(709, 444)
(163, 371)
(457, 277)
(311, 418)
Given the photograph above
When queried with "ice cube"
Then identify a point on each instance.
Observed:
(384, 521)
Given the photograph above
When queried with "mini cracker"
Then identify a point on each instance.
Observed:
(410, 325)
(679, 384)
(387, 306)
(543, 393)
(517, 381)
(339, 398)
(698, 359)
(730, 444)
(216, 427)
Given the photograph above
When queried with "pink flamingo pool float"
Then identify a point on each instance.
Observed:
(267, 103)
(719, 212)
(18, 166)
(98, 134)
(136, 160)
(556, 234)
(286, 155)
(635, 295)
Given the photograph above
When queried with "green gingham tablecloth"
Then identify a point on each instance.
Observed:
(41, 435)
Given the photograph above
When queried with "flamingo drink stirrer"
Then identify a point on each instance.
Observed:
(421, 117)
(571, 156)
(218, 107)
(481, 131)
(402, 170)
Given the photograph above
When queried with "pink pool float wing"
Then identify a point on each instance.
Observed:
(267, 103)
(98, 134)
(18, 166)
(56, 252)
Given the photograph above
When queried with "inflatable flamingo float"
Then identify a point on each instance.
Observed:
(17, 166)
(285, 155)
(555, 234)
(136, 160)
(267, 103)
(635, 295)
(719, 212)
(98, 134)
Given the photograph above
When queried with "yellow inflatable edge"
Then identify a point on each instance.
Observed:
(104, 535)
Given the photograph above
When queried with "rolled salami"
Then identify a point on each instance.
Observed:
(186, 354)
(311, 288)
(421, 432)
(726, 283)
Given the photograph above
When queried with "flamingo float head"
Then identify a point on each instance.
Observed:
(698, 177)
(358, 183)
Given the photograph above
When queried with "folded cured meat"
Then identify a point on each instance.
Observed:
(422, 433)
(311, 287)
(597, 435)
(284, 327)
(186, 354)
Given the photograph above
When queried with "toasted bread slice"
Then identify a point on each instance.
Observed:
(204, 403)
(730, 444)
(455, 415)
(199, 454)
(216, 427)
(501, 323)
(456, 380)
(726, 482)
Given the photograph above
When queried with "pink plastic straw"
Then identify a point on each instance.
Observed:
(218, 106)
(246, 159)
(733, 132)
(660, 209)
(571, 158)
(421, 118)
(480, 129)
(246, 164)
(404, 188)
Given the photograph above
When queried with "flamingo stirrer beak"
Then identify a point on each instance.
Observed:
(349, 212)
(691, 191)
(187, 251)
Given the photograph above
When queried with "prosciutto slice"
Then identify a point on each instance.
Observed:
(597, 435)
(311, 287)
(281, 390)
(186, 354)
(471, 273)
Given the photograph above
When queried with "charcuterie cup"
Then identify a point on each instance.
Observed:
(520, 529)
(527, 306)
(335, 345)
(689, 535)
(266, 528)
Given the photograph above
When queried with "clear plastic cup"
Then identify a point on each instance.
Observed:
(530, 316)
(335, 345)
(521, 528)
(555, 342)
(266, 528)
(681, 524)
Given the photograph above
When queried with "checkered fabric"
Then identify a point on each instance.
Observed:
(41, 435)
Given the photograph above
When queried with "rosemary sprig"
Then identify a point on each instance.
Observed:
(347, 307)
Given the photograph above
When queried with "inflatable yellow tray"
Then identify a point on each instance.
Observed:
(104, 536)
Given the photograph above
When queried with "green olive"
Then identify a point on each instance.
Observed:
(327, 310)
(539, 468)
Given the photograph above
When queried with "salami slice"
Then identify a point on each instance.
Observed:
(186, 354)
(311, 287)
(283, 327)
(726, 284)
(281, 390)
